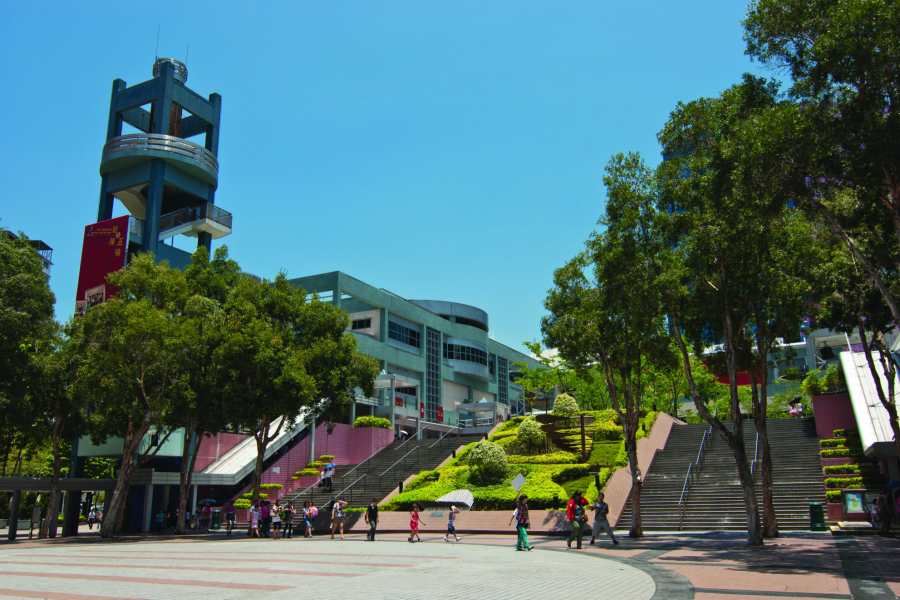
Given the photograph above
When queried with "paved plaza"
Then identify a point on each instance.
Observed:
(705, 567)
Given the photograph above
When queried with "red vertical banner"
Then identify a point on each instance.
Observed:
(103, 251)
(440, 414)
(422, 410)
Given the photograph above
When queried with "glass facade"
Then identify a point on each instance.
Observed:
(467, 353)
(404, 335)
(502, 380)
(361, 324)
(432, 375)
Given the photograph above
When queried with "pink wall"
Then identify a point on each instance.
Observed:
(833, 411)
(213, 448)
(348, 445)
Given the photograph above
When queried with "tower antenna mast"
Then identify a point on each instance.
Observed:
(156, 52)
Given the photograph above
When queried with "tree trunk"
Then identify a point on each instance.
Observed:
(187, 471)
(44, 533)
(754, 528)
(115, 512)
(261, 445)
(764, 466)
(637, 528)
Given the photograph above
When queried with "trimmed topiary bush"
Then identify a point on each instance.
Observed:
(271, 486)
(242, 504)
(831, 443)
(308, 472)
(840, 469)
(315, 464)
(529, 434)
(834, 453)
(249, 495)
(565, 406)
(844, 482)
(327, 458)
(489, 460)
(843, 433)
(367, 421)
(833, 496)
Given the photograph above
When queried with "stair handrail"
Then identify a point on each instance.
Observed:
(298, 494)
(458, 428)
(411, 438)
(364, 462)
(684, 490)
(755, 455)
(398, 462)
(340, 493)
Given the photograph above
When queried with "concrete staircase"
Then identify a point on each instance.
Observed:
(379, 475)
(714, 500)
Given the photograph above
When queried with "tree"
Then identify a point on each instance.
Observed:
(489, 461)
(133, 371)
(605, 308)
(565, 406)
(285, 354)
(26, 317)
(55, 364)
(743, 252)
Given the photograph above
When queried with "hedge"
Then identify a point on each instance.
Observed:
(843, 433)
(249, 495)
(833, 496)
(503, 434)
(844, 482)
(367, 421)
(834, 453)
(306, 472)
(314, 464)
(327, 458)
(839, 469)
(832, 443)
(555, 458)
(271, 486)
(242, 504)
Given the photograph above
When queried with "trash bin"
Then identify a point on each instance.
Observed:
(817, 516)
(216, 519)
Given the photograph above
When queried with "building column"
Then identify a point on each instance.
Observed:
(148, 509)
(14, 504)
(312, 442)
(393, 408)
(154, 205)
(194, 499)
(352, 412)
(418, 415)
(71, 510)
(106, 200)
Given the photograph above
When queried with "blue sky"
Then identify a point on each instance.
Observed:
(440, 150)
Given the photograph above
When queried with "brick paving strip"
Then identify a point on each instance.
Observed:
(773, 594)
(249, 552)
(864, 579)
(191, 569)
(239, 559)
(57, 595)
(206, 584)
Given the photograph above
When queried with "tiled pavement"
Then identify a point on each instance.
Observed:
(706, 567)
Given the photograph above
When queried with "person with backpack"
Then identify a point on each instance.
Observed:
(577, 517)
(520, 515)
(451, 524)
(337, 517)
(277, 516)
(289, 513)
(601, 523)
(309, 512)
(372, 519)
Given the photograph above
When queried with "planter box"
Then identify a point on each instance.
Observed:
(835, 512)
(23, 525)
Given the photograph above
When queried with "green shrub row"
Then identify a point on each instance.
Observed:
(314, 464)
(554, 458)
(271, 486)
(367, 421)
(327, 458)
(846, 433)
(839, 443)
(834, 453)
(306, 472)
(242, 504)
(844, 482)
(839, 469)
(833, 496)
(249, 495)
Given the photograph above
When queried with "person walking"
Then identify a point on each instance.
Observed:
(99, 517)
(277, 515)
(575, 514)
(451, 524)
(230, 517)
(329, 474)
(205, 518)
(337, 517)
(601, 522)
(414, 520)
(254, 522)
(372, 519)
(160, 520)
(307, 518)
(289, 513)
(92, 516)
(265, 518)
(520, 515)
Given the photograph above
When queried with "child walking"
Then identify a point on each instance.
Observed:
(451, 524)
(254, 522)
(414, 521)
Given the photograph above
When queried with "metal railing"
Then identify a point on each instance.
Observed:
(681, 501)
(195, 213)
(135, 227)
(755, 456)
(157, 142)
(411, 438)
(693, 469)
(349, 487)
(399, 461)
(457, 430)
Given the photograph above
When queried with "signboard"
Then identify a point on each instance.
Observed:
(853, 502)
(518, 482)
(103, 251)
(422, 410)
(440, 414)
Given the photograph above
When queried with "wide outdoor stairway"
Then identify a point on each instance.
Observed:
(714, 501)
(379, 475)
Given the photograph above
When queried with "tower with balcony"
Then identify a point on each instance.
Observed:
(165, 175)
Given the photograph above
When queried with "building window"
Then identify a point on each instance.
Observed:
(404, 334)
(491, 366)
(466, 353)
(362, 324)
(502, 380)
(433, 375)
(409, 391)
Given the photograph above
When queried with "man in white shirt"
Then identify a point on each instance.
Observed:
(601, 509)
